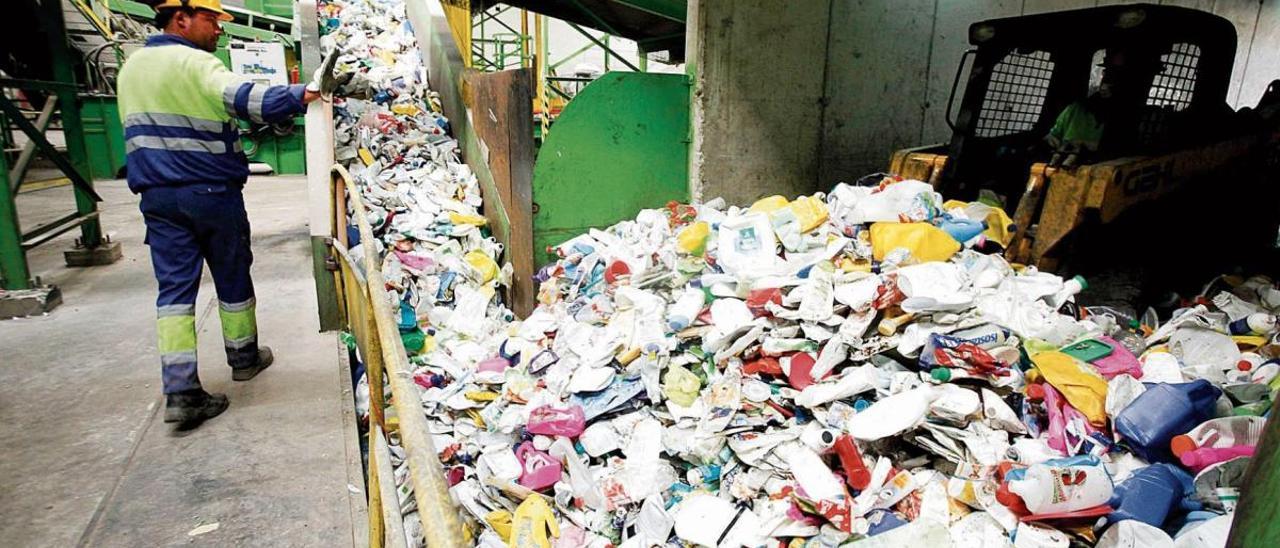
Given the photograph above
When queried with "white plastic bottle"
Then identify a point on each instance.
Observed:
(685, 309)
(1259, 323)
(1221, 432)
(894, 414)
(1069, 289)
(1047, 489)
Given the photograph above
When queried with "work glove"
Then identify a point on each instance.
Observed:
(324, 81)
(532, 520)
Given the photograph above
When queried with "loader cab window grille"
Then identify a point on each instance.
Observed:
(1175, 84)
(1172, 90)
(1015, 95)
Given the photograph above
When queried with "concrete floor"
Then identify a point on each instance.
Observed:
(86, 459)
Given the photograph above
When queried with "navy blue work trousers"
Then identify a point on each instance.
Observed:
(187, 227)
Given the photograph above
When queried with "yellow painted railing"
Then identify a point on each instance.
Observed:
(367, 314)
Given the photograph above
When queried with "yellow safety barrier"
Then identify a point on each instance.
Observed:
(367, 314)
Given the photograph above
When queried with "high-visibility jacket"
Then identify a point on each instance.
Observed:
(177, 102)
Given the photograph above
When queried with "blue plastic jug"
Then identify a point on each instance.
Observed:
(1150, 494)
(1162, 412)
(962, 230)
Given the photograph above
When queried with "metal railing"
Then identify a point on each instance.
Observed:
(366, 313)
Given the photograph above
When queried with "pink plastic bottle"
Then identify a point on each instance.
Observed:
(539, 470)
(1199, 459)
(550, 421)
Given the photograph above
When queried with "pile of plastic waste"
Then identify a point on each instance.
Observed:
(858, 367)
(423, 202)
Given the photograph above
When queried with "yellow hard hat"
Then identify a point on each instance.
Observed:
(208, 5)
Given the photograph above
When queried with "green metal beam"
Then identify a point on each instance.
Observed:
(43, 85)
(557, 91)
(571, 56)
(480, 37)
(641, 42)
(257, 10)
(49, 231)
(68, 167)
(133, 9)
(607, 51)
(604, 25)
(488, 16)
(77, 169)
(14, 273)
(675, 10)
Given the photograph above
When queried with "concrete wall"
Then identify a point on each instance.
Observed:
(794, 96)
(757, 97)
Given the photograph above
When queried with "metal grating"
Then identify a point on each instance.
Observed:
(1171, 91)
(1174, 86)
(1015, 95)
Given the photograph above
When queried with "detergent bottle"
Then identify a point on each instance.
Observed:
(1050, 488)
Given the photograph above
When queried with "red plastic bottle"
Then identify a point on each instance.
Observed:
(855, 470)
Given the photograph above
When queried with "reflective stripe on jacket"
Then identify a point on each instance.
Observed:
(177, 102)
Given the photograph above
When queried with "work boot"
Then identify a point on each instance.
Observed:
(264, 361)
(193, 407)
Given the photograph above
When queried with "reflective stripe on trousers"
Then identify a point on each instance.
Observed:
(176, 331)
(239, 332)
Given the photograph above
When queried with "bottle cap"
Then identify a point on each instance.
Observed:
(1006, 497)
(1181, 444)
(940, 374)
(1134, 324)
(1035, 392)
(1244, 365)
(1080, 280)
(617, 269)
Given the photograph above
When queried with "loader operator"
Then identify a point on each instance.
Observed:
(1104, 122)
(184, 156)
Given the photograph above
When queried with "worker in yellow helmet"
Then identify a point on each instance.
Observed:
(183, 155)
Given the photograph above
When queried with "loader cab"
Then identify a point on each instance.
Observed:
(1157, 76)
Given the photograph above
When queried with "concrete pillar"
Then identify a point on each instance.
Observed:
(758, 69)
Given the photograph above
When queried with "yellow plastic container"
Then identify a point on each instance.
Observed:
(810, 211)
(461, 219)
(692, 239)
(768, 205)
(1083, 387)
(405, 109)
(925, 241)
(486, 266)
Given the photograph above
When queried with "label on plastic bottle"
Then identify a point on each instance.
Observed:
(1229, 496)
